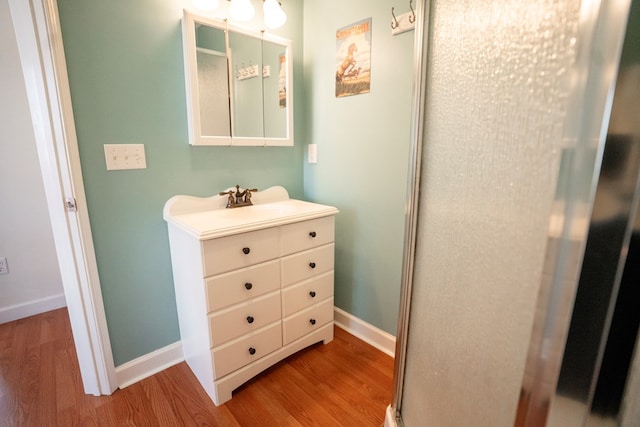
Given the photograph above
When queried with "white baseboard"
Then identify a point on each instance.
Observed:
(31, 308)
(149, 364)
(161, 359)
(390, 418)
(383, 341)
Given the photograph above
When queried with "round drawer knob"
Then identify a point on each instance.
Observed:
(312, 321)
(313, 294)
(252, 351)
(312, 264)
(248, 286)
(312, 234)
(246, 251)
(250, 319)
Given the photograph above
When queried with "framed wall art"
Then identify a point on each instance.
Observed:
(353, 59)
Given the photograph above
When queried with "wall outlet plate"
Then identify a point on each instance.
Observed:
(124, 156)
(4, 267)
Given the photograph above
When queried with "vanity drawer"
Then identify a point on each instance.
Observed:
(307, 293)
(231, 288)
(237, 354)
(243, 318)
(306, 235)
(307, 321)
(307, 264)
(240, 250)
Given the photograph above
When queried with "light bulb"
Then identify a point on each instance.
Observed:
(274, 16)
(241, 10)
(205, 5)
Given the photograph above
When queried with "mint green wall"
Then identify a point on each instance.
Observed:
(124, 60)
(363, 151)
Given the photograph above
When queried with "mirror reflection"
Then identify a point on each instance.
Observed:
(238, 84)
(246, 59)
(274, 61)
(213, 79)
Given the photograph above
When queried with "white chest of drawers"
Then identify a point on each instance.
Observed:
(253, 284)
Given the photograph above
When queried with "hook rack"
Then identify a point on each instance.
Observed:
(403, 23)
(247, 72)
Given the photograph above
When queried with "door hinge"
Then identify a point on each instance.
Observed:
(70, 204)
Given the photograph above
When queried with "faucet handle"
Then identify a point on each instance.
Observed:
(247, 195)
(230, 199)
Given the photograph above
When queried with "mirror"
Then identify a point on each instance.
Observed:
(238, 84)
(274, 60)
(213, 79)
(245, 57)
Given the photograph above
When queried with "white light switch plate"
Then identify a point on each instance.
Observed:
(124, 156)
(312, 155)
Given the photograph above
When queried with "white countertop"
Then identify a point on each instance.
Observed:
(207, 218)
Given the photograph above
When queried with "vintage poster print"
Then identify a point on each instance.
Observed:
(353, 59)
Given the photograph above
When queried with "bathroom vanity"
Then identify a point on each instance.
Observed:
(253, 284)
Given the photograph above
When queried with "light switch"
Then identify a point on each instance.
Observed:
(124, 156)
(312, 155)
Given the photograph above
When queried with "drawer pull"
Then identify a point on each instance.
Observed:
(246, 251)
(250, 319)
(313, 294)
(312, 264)
(312, 321)
(312, 234)
(248, 286)
(252, 351)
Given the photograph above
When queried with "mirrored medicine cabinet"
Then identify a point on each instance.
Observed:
(238, 84)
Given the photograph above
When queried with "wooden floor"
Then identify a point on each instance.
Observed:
(344, 383)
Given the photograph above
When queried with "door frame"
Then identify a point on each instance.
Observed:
(37, 27)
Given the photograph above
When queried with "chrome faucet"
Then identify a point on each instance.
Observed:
(237, 199)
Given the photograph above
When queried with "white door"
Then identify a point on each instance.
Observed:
(36, 25)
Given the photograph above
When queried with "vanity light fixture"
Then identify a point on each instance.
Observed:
(206, 5)
(243, 10)
(274, 16)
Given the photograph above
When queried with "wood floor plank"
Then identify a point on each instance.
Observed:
(190, 401)
(366, 399)
(359, 398)
(277, 412)
(29, 383)
(65, 381)
(132, 408)
(330, 396)
(47, 396)
(255, 407)
(344, 383)
(304, 405)
(160, 404)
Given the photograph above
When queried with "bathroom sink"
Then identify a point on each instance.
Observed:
(208, 218)
(268, 209)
